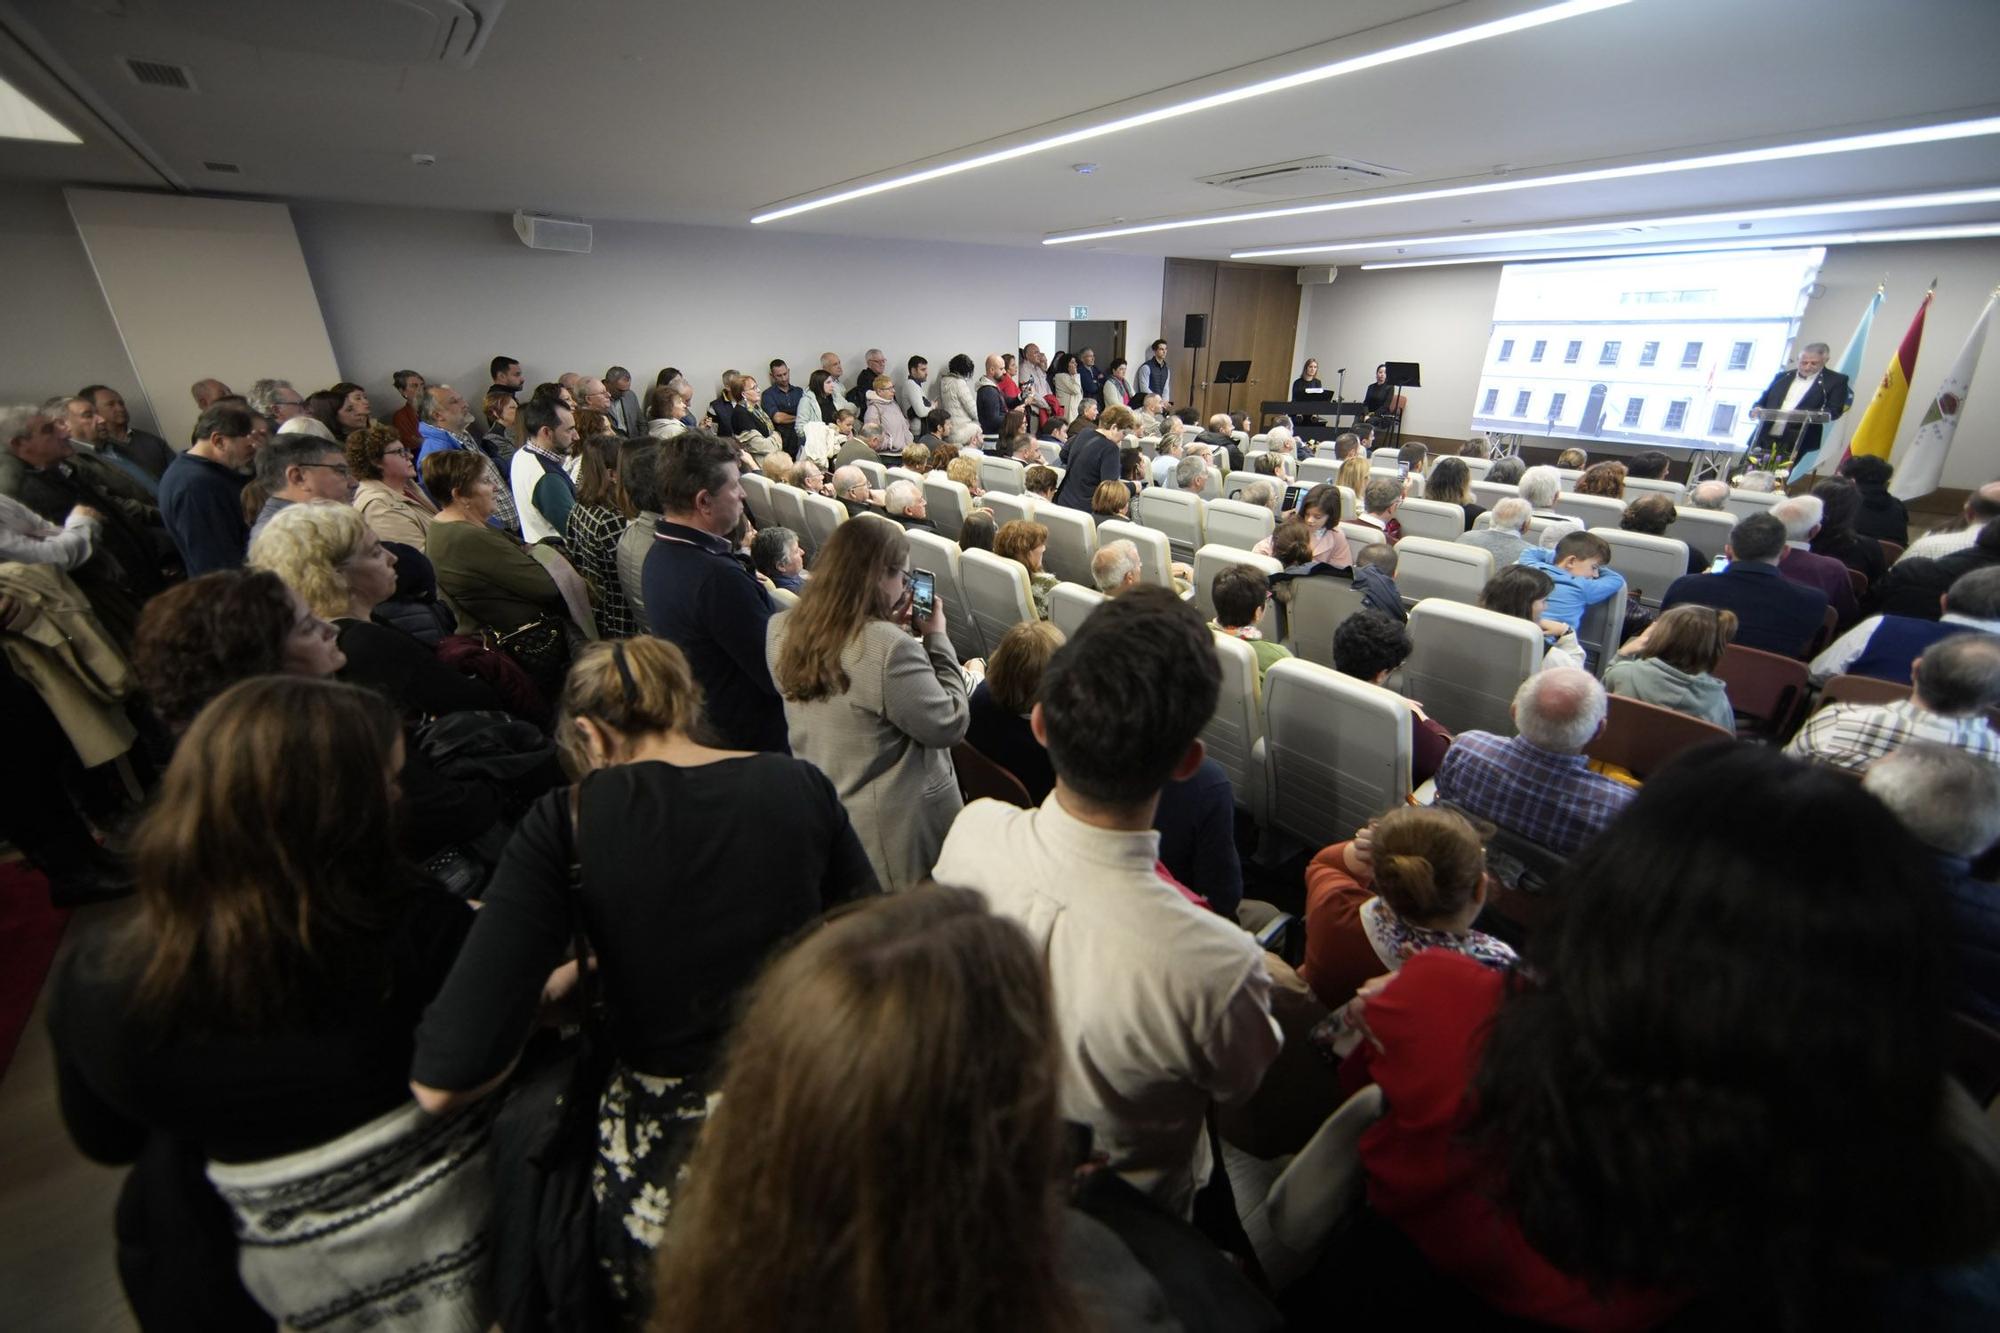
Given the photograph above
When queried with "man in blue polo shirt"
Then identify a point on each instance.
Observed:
(780, 401)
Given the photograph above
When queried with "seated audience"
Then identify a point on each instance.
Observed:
(1539, 487)
(873, 699)
(1774, 614)
(917, 458)
(491, 579)
(1579, 568)
(1191, 475)
(1711, 495)
(543, 488)
(779, 558)
(1354, 476)
(980, 527)
(1242, 596)
(1111, 500)
(1840, 507)
(1884, 646)
(1981, 508)
(1953, 683)
(201, 492)
(1507, 538)
(1757, 480)
(1508, 471)
(1555, 1138)
(1164, 1006)
(667, 412)
(1375, 576)
(1602, 479)
(639, 465)
(1882, 515)
(1573, 460)
(1370, 646)
(596, 522)
(657, 824)
(501, 411)
(1001, 704)
(1523, 591)
(1161, 471)
(1378, 508)
(260, 1009)
(1450, 482)
(1950, 802)
(904, 502)
(125, 445)
(198, 638)
(1536, 784)
(386, 493)
(850, 487)
(1415, 879)
(1041, 482)
(936, 422)
(1672, 664)
(1651, 516)
(1801, 516)
(1114, 568)
(445, 424)
(1319, 511)
(298, 469)
(1651, 465)
(1914, 583)
(1025, 542)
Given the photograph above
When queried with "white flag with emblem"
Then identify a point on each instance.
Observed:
(1921, 461)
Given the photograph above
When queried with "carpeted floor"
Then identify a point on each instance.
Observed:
(30, 930)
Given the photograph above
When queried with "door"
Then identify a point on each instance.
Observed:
(1593, 411)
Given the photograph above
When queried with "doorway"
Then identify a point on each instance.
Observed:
(1107, 336)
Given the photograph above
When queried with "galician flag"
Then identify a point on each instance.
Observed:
(1850, 366)
(1922, 459)
(1876, 435)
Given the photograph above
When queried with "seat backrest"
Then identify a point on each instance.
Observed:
(1706, 530)
(939, 555)
(1641, 737)
(1601, 631)
(1393, 472)
(1237, 482)
(1360, 534)
(949, 502)
(1350, 505)
(1211, 560)
(1234, 523)
(1318, 471)
(1742, 504)
(1384, 453)
(1648, 564)
(1764, 689)
(1051, 453)
(1007, 507)
(1070, 604)
(997, 593)
(1427, 567)
(1002, 474)
(757, 498)
(788, 503)
(1181, 516)
(878, 476)
(1478, 467)
(1072, 541)
(1431, 518)
(1595, 510)
(900, 473)
(1319, 1187)
(1319, 603)
(1237, 725)
(1466, 662)
(1156, 554)
(981, 778)
(1541, 523)
(1845, 689)
(1486, 494)
(1638, 486)
(1338, 751)
(822, 517)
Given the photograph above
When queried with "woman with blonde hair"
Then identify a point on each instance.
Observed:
(1025, 541)
(656, 826)
(386, 493)
(965, 471)
(880, 408)
(917, 458)
(1673, 664)
(874, 706)
(912, 1040)
(1412, 880)
(599, 518)
(1354, 474)
(1574, 459)
(1111, 499)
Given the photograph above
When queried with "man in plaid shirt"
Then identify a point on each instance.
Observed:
(1536, 784)
(1957, 680)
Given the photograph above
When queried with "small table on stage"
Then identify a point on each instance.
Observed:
(1313, 407)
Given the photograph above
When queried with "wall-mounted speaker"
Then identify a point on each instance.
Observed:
(1318, 275)
(540, 233)
(1197, 331)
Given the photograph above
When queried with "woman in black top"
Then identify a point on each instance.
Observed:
(687, 889)
(1306, 385)
(1840, 499)
(1379, 398)
(262, 1003)
(1882, 515)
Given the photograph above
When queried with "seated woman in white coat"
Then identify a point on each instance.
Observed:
(872, 705)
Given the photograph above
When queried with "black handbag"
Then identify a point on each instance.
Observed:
(546, 1275)
(540, 648)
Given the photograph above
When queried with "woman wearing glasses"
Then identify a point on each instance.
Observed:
(386, 491)
(872, 706)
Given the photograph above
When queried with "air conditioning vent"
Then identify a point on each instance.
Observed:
(160, 74)
(1305, 175)
(546, 233)
(225, 168)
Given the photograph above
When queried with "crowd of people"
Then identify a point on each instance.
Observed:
(761, 1022)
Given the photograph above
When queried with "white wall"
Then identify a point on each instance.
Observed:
(443, 292)
(57, 334)
(1441, 318)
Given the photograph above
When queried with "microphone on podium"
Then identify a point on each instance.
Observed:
(1341, 371)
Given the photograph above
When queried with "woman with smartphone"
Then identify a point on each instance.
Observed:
(874, 695)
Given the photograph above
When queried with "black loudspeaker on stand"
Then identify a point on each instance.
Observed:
(1197, 332)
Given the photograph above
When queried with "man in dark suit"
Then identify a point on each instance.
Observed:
(1773, 613)
(1810, 388)
(1218, 435)
(1093, 457)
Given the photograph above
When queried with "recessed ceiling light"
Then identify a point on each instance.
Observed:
(1954, 232)
(22, 119)
(1851, 143)
(1445, 41)
(1741, 216)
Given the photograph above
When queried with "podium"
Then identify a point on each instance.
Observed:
(1780, 424)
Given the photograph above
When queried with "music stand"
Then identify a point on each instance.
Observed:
(1231, 373)
(1401, 375)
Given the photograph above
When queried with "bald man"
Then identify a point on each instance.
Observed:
(206, 392)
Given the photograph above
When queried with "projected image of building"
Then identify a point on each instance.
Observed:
(1659, 351)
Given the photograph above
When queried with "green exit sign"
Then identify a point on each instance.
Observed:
(1079, 312)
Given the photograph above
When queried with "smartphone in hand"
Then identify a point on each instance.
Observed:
(923, 597)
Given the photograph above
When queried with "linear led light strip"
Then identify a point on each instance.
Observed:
(1954, 232)
(1944, 199)
(1479, 32)
(1852, 143)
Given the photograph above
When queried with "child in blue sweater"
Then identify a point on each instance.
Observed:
(1578, 568)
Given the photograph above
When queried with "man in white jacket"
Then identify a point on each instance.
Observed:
(910, 393)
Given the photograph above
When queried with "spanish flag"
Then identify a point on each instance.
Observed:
(1876, 435)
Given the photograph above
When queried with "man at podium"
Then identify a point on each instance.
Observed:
(1810, 388)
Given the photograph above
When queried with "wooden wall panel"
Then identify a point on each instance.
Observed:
(1253, 315)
